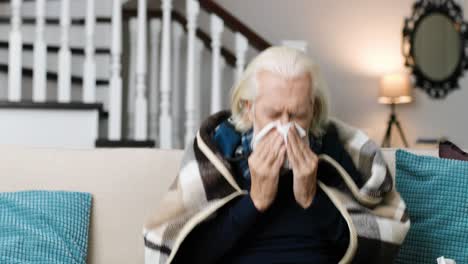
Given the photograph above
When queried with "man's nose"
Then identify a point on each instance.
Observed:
(285, 118)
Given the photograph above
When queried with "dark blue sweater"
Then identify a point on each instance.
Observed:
(285, 233)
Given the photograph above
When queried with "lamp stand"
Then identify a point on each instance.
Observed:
(388, 135)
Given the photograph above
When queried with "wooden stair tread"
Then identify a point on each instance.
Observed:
(125, 143)
(73, 106)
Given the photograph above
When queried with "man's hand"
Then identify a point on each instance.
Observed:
(265, 163)
(304, 164)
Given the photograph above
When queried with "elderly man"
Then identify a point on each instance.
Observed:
(294, 209)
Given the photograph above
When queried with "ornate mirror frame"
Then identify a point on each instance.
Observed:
(421, 9)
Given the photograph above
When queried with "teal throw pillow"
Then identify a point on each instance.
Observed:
(44, 227)
(436, 193)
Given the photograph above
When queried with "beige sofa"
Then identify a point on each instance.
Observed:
(126, 185)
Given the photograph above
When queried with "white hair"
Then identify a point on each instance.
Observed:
(286, 62)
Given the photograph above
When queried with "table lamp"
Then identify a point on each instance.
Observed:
(394, 89)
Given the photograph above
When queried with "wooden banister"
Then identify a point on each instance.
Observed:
(230, 21)
(235, 24)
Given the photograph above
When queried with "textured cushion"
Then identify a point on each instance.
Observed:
(435, 191)
(44, 227)
(448, 150)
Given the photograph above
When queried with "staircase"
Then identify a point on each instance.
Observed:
(111, 73)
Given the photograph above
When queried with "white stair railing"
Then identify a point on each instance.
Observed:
(155, 101)
(165, 121)
(170, 36)
(115, 89)
(193, 8)
(217, 27)
(155, 32)
(40, 55)
(15, 52)
(177, 33)
(89, 65)
(64, 59)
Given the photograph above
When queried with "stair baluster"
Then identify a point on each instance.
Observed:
(141, 102)
(131, 88)
(64, 59)
(155, 39)
(223, 82)
(165, 121)
(177, 33)
(115, 89)
(193, 8)
(15, 53)
(199, 89)
(40, 55)
(241, 51)
(89, 65)
(217, 27)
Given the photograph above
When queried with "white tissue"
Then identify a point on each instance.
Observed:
(443, 260)
(283, 130)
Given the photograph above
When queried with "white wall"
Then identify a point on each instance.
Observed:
(355, 42)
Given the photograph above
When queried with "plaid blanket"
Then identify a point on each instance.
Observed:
(375, 213)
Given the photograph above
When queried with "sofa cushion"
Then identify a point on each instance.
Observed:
(435, 192)
(449, 150)
(44, 227)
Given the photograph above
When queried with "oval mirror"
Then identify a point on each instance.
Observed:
(433, 46)
(437, 47)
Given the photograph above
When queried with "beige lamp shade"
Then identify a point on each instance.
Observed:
(395, 89)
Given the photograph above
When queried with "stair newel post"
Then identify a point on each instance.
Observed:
(40, 55)
(217, 27)
(115, 89)
(165, 121)
(155, 31)
(193, 8)
(64, 56)
(89, 66)
(177, 33)
(242, 46)
(141, 101)
(15, 53)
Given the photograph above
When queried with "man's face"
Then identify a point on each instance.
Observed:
(286, 99)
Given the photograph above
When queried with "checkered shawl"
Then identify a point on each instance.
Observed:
(375, 213)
